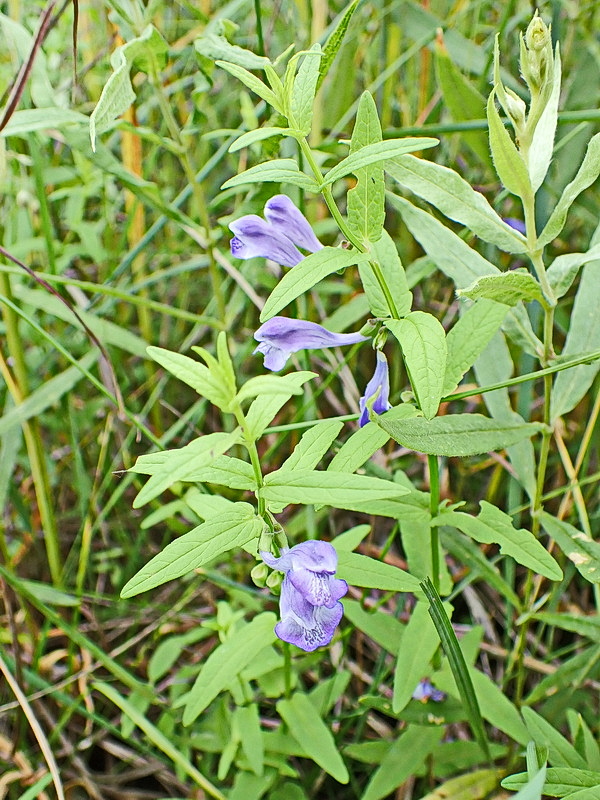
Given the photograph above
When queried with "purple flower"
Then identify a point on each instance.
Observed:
(381, 381)
(277, 237)
(279, 337)
(516, 224)
(310, 594)
(426, 691)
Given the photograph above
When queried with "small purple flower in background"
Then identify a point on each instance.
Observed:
(279, 337)
(516, 224)
(381, 381)
(426, 691)
(277, 237)
(310, 594)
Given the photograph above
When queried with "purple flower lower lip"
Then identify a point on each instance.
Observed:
(310, 594)
(277, 237)
(380, 381)
(279, 337)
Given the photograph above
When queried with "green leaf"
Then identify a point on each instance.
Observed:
(382, 628)
(469, 337)
(542, 141)
(205, 381)
(313, 445)
(494, 526)
(252, 82)
(40, 119)
(304, 88)
(471, 786)
(259, 135)
(532, 787)
(226, 471)
(457, 434)
(305, 725)
(563, 270)
(198, 547)
(263, 409)
(586, 175)
(217, 48)
(447, 250)
(508, 161)
(517, 326)
(404, 758)
(247, 720)
(414, 662)
(385, 253)
(334, 41)
(508, 288)
(226, 662)
(279, 170)
(268, 385)
(366, 201)
(374, 153)
(584, 334)
(117, 94)
(423, 342)
(359, 447)
(560, 782)
(578, 547)
(306, 274)
(360, 570)
(183, 464)
(338, 489)
(560, 752)
(457, 662)
(588, 626)
(446, 190)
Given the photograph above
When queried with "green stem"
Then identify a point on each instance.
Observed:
(342, 225)
(18, 387)
(434, 503)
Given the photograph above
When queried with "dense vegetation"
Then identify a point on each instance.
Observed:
(138, 663)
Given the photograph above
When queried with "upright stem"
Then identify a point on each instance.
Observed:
(434, 503)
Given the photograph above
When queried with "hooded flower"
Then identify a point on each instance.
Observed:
(277, 237)
(310, 594)
(279, 337)
(381, 381)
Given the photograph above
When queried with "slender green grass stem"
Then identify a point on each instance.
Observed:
(31, 431)
(434, 502)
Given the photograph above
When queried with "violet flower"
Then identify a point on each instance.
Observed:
(426, 691)
(279, 337)
(516, 224)
(310, 594)
(277, 237)
(381, 381)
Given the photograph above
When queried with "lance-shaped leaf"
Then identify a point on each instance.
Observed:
(469, 337)
(586, 175)
(253, 83)
(196, 548)
(337, 489)
(386, 255)
(334, 42)
(508, 288)
(446, 190)
(445, 248)
(226, 662)
(313, 445)
(542, 142)
(375, 153)
(359, 570)
(508, 161)
(259, 135)
(563, 270)
(170, 466)
(457, 434)
(304, 88)
(209, 383)
(366, 201)
(423, 344)
(265, 407)
(559, 782)
(117, 94)
(315, 738)
(578, 547)
(494, 526)
(279, 170)
(306, 274)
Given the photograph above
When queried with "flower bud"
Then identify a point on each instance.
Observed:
(259, 574)
(515, 108)
(537, 35)
(274, 580)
